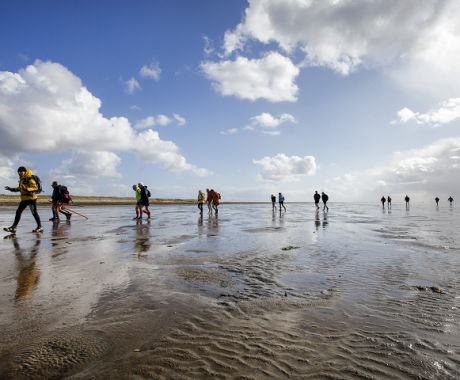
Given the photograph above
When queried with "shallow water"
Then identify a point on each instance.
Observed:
(370, 293)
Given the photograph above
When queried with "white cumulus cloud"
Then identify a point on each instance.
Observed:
(152, 71)
(342, 34)
(131, 85)
(447, 112)
(266, 120)
(285, 169)
(271, 77)
(46, 109)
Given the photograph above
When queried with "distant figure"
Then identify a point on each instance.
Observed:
(407, 199)
(317, 198)
(215, 200)
(209, 201)
(437, 201)
(389, 202)
(383, 200)
(201, 199)
(281, 201)
(145, 202)
(450, 200)
(273, 202)
(138, 200)
(325, 198)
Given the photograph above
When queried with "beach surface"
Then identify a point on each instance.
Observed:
(6, 199)
(364, 292)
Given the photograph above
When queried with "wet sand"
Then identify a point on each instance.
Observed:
(370, 293)
(14, 199)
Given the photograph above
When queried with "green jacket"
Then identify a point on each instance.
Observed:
(138, 195)
(201, 198)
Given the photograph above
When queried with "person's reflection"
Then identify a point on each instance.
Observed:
(200, 220)
(325, 221)
(142, 241)
(28, 275)
(317, 220)
(56, 231)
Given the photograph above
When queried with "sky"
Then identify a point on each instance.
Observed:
(356, 98)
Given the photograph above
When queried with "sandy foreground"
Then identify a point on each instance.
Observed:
(365, 293)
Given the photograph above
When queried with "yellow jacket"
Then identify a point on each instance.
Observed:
(30, 186)
(201, 198)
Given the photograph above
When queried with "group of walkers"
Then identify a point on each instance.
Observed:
(142, 200)
(317, 197)
(280, 201)
(212, 198)
(29, 186)
(450, 199)
(407, 200)
(383, 200)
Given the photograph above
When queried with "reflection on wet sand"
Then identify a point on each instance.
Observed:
(214, 296)
(28, 275)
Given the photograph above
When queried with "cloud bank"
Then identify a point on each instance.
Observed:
(46, 109)
(447, 112)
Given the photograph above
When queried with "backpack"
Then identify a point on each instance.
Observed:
(148, 193)
(65, 194)
(37, 181)
(219, 196)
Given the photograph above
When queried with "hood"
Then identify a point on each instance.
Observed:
(28, 174)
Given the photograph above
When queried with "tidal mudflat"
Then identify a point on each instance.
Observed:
(369, 293)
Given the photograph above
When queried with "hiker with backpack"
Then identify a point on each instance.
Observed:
(58, 198)
(29, 187)
(145, 195)
(215, 200)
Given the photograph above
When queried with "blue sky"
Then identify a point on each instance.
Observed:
(358, 98)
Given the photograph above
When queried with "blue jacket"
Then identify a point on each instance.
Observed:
(281, 198)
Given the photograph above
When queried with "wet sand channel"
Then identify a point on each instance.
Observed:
(369, 293)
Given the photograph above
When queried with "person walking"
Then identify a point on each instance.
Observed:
(437, 201)
(215, 200)
(201, 199)
(383, 200)
(450, 199)
(273, 202)
(325, 198)
(407, 200)
(209, 201)
(138, 201)
(145, 194)
(57, 199)
(28, 188)
(389, 202)
(281, 201)
(317, 198)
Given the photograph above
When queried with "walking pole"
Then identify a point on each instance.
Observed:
(74, 212)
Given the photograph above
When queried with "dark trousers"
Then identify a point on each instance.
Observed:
(33, 208)
(200, 206)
